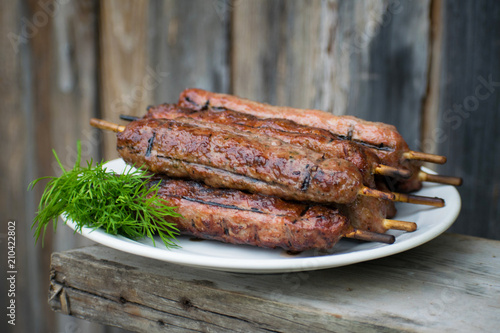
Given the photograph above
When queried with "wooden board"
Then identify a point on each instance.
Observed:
(467, 130)
(189, 47)
(123, 63)
(435, 287)
(13, 162)
(290, 59)
(343, 57)
(74, 100)
(388, 48)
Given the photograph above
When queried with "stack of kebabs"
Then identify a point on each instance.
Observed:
(244, 172)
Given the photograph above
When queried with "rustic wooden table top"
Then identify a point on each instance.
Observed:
(449, 284)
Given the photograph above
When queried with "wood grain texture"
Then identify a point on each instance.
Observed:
(189, 47)
(15, 145)
(388, 67)
(424, 289)
(291, 58)
(123, 63)
(74, 100)
(35, 56)
(344, 57)
(467, 131)
(430, 110)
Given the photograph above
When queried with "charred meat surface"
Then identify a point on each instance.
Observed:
(383, 139)
(364, 213)
(221, 157)
(315, 139)
(236, 217)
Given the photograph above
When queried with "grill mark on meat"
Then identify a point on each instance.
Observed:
(349, 134)
(211, 203)
(306, 182)
(218, 108)
(306, 208)
(151, 141)
(378, 147)
(223, 224)
(307, 179)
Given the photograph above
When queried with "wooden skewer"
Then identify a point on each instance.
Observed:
(128, 118)
(448, 180)
(106, 125)
(370, 192)
(418, 199)
(416, 155)
(401, 197)
(370, 236)
(399, 225)
(389, 171)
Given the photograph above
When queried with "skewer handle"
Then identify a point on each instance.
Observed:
(417, 155)
(106, 125)
(399, 225)
(370, 236)
(371, 192)
(418, 199)
(447, 180)
(389, 171)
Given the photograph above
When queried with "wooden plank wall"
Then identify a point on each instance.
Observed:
(415, 64)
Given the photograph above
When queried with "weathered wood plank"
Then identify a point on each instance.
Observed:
(189, 47)
(123, 63)
(74, 100)
(283, 53)
(35, 52)
(344, 57)
(13, 162)
(467, 130)
(424, 289)
(388, 51)
(430, 111)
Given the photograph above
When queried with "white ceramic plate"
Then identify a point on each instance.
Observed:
(241, 258)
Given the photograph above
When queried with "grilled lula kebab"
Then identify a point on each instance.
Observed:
(236, 217)
(218, 178)
(366, 213)
(313, 139)
(316, 139)
(383, 139)
(221, 157)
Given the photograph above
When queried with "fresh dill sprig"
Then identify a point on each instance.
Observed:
(121, 204)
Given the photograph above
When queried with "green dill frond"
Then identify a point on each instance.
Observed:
(121, 204)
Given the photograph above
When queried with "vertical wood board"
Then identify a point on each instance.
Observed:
(468, 131)
(189, 43)
(123, 63)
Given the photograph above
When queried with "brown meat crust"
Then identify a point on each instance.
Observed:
(318, 140)
(364, 213)
(383, 139)
(189, 148)
(235, 217)
(367, 213)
